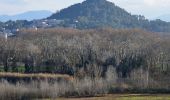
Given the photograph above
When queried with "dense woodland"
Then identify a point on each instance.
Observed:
(85, 52)
(102, 13)
(98, 61)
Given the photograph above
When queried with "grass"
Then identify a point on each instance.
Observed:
(73, 89)
(125, 97)
(38, 75)
(44, 89)
(20, 69)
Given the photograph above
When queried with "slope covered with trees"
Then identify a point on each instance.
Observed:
(101, 13)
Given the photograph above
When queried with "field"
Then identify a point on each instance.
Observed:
(65, 87)
(125, 97)
(38, 75)
(17, 77)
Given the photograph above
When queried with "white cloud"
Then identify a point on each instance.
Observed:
(157, 3)
(150, 2)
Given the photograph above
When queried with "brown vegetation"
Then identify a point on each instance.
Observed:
(86, 86)
(135, 59)
(39, 75)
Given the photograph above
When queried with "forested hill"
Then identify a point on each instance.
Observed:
(102, 13)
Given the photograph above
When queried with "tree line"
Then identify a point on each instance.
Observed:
(86, 52)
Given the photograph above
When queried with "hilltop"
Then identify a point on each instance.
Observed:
(102, 13)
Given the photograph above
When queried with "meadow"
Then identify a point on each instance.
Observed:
(125, 97)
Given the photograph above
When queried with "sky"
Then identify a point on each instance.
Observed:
(149, 8)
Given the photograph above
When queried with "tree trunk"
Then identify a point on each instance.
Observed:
(6, 68)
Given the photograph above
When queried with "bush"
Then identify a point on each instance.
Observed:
(85, 86)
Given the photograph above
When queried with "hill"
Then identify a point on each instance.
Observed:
(102, 13)
(30, 15)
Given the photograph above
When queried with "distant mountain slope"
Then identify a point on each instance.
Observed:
(94, 13)
(164, 17)
(31, 15)
(102, 13)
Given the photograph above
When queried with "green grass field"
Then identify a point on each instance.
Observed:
(125, 97)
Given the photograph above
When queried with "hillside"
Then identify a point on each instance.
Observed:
(102, 13)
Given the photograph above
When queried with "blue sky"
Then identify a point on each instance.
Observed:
(148, 8)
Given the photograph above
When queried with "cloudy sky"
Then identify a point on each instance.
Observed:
(148, 8)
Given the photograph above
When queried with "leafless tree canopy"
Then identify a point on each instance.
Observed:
(86, 52)
(98, 59)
